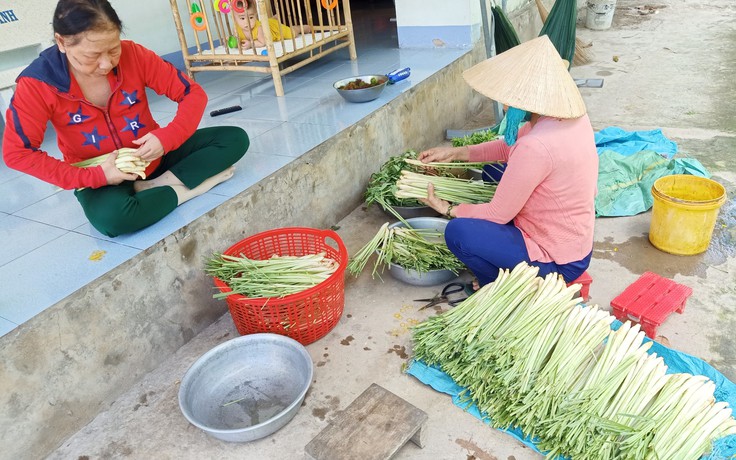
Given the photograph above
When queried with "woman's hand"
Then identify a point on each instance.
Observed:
(113, 175)
(435, 203)
(149, 147)
(444, 154)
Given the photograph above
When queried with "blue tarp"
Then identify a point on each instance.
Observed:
(630, 142)
(676, 361)
(629, 164)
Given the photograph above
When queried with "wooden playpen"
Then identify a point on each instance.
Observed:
(322, 27)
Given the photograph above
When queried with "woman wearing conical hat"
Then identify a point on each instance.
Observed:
(543, 209)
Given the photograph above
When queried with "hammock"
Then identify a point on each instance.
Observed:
(504, 33)
(560, 27)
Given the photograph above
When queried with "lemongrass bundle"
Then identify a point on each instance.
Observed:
(452, 189)
(126, 162)
(530, 357)
(450, 165)
(421, 250)
(277, 276)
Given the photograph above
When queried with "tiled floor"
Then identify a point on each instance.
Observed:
(49, 249)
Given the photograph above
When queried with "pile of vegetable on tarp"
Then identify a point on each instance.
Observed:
(630, 163)
(569, 380)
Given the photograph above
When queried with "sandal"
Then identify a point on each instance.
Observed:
(470, 288)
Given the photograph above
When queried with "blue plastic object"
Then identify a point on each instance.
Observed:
(398, 75)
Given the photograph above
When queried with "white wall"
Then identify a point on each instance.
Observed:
(435, 12)
(424, 23)
(150, 23)
(25, 30)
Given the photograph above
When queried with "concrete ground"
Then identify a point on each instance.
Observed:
(666, 65)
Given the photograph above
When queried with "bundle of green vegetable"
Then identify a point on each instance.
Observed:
(420, 250)
(459, 165)
(278, 276)
(453, 189)
(476, 137)
(453, 165)
(126, 162)
(381, 184)
(531, 357)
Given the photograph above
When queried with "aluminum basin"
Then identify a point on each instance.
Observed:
(432, 277)
(408, 212)
(246, 388)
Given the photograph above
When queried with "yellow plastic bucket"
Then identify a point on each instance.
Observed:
(684, 213)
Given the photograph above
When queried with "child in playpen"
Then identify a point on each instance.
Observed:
(250, 29)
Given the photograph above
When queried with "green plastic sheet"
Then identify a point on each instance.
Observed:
(625, 182)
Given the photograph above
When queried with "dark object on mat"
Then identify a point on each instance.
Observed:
(231, 109)
(443, 297)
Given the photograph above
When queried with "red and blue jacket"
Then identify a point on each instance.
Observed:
(47, 91)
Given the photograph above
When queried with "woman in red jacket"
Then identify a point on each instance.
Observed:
(91, 86)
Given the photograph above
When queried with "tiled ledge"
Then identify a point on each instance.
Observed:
(47, 237)
(67, 363)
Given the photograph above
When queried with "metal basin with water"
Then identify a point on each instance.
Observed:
(246, 388)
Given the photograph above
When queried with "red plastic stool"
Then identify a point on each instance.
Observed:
(584, 280)
(649, 300)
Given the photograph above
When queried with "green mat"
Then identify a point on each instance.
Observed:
(625, 182)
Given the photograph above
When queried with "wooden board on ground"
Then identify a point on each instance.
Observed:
(373, 427)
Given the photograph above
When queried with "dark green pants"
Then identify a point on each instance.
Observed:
(118, 209)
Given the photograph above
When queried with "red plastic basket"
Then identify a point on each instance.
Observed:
(306, 316)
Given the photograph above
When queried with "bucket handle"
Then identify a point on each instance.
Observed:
(329, 234)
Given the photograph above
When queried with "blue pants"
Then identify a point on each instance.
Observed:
(493, 172)
(485, 247)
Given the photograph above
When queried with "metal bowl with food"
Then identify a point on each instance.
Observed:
(246, 388)
(362, 88)
(432, 277)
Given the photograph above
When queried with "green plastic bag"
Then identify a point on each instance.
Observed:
(625, 182)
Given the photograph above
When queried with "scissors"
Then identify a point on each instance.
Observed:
(442, 297)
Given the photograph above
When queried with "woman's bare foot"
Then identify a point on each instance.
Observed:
(167, 178)
(184, 193)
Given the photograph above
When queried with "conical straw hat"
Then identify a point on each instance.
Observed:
(531, 76)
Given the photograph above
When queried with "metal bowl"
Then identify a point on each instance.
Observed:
(361, 95)
(413, 277)
(246, 388)
(475, 174)
(408, 212)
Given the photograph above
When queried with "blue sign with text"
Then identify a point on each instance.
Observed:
(7, 16)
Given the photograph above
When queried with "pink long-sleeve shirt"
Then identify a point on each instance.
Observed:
(548, 188)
